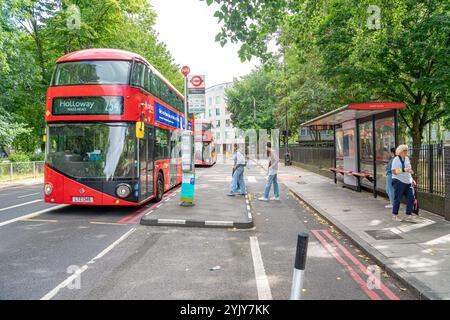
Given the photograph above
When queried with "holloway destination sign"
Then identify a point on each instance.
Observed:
(107, 105)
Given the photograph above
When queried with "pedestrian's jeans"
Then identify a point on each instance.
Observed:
(271, 179)
(238, 181)
(390, 189)
(402, 189)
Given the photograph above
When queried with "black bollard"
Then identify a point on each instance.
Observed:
(299, 267)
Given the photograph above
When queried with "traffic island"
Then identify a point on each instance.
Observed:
(213, 207)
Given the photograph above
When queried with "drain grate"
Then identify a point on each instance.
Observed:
(383, 234)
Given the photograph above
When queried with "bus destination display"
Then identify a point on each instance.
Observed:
(106, 105)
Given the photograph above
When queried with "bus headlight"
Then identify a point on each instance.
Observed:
(123, 190)
(48, 189)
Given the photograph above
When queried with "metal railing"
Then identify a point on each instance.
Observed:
(11, 171)
(428, 164)
(320, 157)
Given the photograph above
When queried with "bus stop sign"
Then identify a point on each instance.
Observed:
(185, 71)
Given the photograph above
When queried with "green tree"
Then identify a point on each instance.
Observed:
(252, 101)
(35, 33)
(406, 59)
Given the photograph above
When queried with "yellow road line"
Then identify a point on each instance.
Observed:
(38, 220)
(108, 223)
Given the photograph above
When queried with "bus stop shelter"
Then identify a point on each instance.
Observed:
(364, 133)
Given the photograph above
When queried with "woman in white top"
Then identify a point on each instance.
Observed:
(402, 182)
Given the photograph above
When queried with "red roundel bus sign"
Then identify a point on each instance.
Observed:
(185, 71)
(197, 81)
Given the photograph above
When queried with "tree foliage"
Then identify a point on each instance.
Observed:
(406, 58)
(35, 33)
(252, 101)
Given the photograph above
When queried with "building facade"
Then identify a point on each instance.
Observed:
(216, 110)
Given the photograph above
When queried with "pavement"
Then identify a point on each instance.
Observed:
(21, 183)
(416, 254)
(211, 209)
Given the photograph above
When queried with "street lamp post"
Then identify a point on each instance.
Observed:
(287, 156)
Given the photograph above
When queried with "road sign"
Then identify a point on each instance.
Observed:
(196, 82)
(196, 94)
(185, 71)
(197, 103)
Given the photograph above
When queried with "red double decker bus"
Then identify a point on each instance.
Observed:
(113, 130)
(205, 148)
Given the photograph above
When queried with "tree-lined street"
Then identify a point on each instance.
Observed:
(138, 139)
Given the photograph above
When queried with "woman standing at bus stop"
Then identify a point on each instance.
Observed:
(402, 182)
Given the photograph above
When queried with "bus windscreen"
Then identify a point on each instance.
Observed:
(92, 72)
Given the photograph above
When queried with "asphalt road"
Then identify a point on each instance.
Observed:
(76, 252)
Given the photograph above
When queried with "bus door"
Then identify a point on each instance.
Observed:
(175, 150)
(146, 163)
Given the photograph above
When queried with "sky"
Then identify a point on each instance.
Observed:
(188, 28)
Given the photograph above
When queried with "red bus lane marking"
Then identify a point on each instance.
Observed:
(371, 294)
(136, 214)
(383, 288)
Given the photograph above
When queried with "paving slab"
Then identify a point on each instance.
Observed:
(212, 208)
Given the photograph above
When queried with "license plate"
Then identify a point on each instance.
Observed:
(83, 199)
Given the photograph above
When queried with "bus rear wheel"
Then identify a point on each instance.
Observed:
(159, 188)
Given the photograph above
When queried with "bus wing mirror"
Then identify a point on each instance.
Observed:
(140, 131)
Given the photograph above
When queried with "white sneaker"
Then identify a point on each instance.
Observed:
(411, 218)
(396, 218)
(389, 206)
(275, 198)
(263, 199)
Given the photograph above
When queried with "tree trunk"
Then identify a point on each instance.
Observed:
(39, 50)
(416, 135)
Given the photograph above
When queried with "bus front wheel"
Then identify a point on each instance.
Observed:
(160, 188)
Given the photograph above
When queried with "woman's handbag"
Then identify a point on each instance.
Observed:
(416, 208)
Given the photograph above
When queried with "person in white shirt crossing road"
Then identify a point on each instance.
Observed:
(239, 163)
(272, 175)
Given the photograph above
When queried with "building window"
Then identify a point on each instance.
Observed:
(217, 99)
(217, 123)
(210, 101)
(228, 123)
(217, 111)
(217, 135)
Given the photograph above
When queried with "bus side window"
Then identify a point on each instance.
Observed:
(137, 75)
(147, 80)
(155, 87)
(162, 144)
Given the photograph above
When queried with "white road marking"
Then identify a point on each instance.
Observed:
(28, 195)
(171, 221)
(219, 223)
(21, 204)
(262, 283)
(32, 215)
(149, 212)
(63, 284)
(115, 243)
